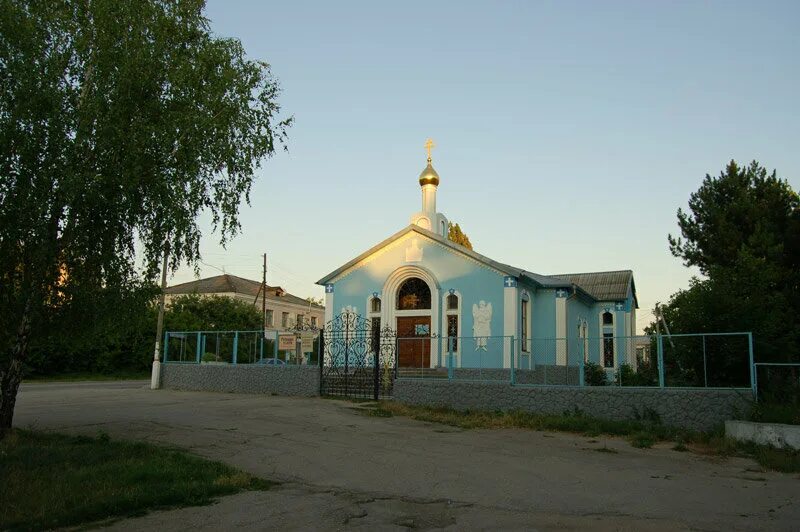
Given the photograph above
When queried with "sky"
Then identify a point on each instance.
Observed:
(567, 133)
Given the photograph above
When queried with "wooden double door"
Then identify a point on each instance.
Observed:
(414, 342)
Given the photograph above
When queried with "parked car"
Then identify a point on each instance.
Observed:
(272, 362)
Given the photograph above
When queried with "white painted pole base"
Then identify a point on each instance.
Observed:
(155, 378)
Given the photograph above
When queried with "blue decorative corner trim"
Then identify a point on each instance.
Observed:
(328, 288)
(509, 282)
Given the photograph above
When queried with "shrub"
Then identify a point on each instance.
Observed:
(627, 376)
(594, 375)
(209, 357)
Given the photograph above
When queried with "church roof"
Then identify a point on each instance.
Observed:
(601, 286)
(228, 283)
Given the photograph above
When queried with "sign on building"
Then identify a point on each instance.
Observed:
(307, 343)
(286, 342)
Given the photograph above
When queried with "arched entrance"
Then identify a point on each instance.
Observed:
(411, 300)
(414, 328)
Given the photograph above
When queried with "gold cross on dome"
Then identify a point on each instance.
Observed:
(429, 145)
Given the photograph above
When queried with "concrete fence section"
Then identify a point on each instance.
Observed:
(245, 378)
(774, 434)
(695, 409)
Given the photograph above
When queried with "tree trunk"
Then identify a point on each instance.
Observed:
(12, 376)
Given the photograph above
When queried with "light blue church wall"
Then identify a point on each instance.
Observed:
(451, 270)
(543, 334)
(579, 310)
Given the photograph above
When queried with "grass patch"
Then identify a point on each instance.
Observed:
(642, 432)
(86, 376)
(570, 421)
(54, 480)
(766, 412)
(642, 440)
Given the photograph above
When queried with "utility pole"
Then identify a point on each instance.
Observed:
(155, 378)
(264, 296)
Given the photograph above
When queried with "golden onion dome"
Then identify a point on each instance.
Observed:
(429, 176)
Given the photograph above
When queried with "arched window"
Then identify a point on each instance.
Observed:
(375, 305)
(452, 302)
(414, 294)
(608, 318)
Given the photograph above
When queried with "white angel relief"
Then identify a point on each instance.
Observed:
(482, 324)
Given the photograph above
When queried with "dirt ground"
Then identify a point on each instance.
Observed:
(339, 469)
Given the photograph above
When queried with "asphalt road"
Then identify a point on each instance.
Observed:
(340, 469)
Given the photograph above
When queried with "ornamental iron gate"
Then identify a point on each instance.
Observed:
(359, 358)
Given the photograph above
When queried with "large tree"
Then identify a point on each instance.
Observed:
(458, 236)
(742, 231)
(120, 122)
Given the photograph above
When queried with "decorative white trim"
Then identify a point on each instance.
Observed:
(510, 320)
(561, 331)
(414, 252)
(400, 242)
(369, 312)
(525, 297)
(328, 307)
(389, 313)
(447, 312)
(602, 330)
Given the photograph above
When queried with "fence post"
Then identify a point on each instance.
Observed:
(235, 346)
(581, 370)
(166, 345)
(705, 370)
(261, 349)
(513, 364)
(202, 347)
(197, 350)
(660, 344)
(753, 381)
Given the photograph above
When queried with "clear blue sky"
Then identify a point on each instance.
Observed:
(568, 133)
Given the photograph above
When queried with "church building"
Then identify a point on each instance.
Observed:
(422, 285)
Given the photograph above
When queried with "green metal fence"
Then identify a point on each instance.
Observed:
(239, 347)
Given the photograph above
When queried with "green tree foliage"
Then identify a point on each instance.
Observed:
(124, 327)
(119, 123)
(456, 235)
(214, 313)
(743, 232)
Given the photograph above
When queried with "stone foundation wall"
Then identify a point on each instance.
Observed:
(543, 374)
(242, 378)
(695, 409)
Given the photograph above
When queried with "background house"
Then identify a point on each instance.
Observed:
(284, 310)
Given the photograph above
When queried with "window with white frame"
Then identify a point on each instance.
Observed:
(284, 319)
(313, 321)
(269, 318)
(375, 305)
(585, 327)
(452, 305)
(299, 320)
(608, 352)
(523, 312)
(452, 302)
